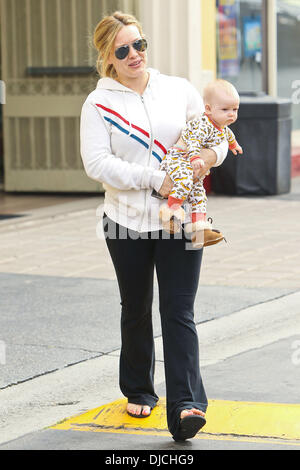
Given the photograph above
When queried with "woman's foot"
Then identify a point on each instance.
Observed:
(193, 411)
(138, 411)
(191, 421)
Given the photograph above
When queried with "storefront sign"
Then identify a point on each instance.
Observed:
(252, 36)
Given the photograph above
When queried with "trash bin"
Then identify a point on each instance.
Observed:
(263, 129)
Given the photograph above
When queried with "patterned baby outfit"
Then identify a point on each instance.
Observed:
(198, 134)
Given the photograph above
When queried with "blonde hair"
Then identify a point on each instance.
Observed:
(210, 90)
(104, 37)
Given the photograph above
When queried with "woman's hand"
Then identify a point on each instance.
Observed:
(166, 187)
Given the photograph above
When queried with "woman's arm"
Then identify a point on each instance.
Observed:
(212, 157)
(220, 151)
(101, 165)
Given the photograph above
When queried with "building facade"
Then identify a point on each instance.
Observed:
(47, 66)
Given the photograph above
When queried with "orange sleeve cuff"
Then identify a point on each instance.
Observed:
(233, 145)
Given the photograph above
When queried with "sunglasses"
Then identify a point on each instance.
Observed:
(139, 45)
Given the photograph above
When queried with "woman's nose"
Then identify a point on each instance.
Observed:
(132, 51)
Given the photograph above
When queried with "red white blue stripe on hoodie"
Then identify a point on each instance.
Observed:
(110, 116)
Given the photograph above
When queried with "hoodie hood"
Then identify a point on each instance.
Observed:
(107, 83)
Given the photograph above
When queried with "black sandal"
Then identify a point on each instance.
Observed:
(189, 426)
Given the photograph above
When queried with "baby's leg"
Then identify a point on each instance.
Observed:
(198, 201)
(164, 164)
(181, 173)
(200, 229)
(163, 167)
(202, 233)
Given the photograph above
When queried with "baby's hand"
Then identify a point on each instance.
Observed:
(197, 166)
(237, 149)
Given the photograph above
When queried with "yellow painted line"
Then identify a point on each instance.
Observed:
(225, 419)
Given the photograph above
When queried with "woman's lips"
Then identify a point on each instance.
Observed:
(135, 64)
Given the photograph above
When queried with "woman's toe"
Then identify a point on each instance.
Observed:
(146, 410)
(193, 411)
(134, 409)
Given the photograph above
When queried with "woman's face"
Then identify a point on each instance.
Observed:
(134, 65)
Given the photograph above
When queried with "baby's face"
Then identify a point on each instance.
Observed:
(224, 109)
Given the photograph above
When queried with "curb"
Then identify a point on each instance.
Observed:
(226, 418)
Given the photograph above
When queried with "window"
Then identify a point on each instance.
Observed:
(239, 43)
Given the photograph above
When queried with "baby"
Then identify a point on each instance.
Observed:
(221, 102)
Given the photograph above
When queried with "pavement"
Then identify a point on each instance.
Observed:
(60, 339)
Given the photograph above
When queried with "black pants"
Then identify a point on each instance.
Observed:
(134, 257)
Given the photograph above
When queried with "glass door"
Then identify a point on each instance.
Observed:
(240, 43)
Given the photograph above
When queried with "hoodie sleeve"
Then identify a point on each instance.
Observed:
(99, 162)
(195, 107)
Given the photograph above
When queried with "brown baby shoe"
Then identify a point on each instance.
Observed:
(202, 234)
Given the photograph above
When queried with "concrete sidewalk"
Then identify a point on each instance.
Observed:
(60, 318)
(65, 239)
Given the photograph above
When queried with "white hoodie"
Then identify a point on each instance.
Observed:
(124, 137)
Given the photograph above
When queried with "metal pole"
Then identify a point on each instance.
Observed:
(269, 61)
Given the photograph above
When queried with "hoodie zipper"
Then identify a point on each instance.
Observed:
(151, 131)
(149, 154)
(149, 157)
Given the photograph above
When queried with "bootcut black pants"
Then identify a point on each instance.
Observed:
(134, 257)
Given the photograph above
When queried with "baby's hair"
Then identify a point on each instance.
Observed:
(210, 90)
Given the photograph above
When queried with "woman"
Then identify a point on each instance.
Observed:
(127, 124)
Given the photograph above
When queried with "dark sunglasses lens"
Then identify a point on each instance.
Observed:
(140, 45)
(122, 52)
